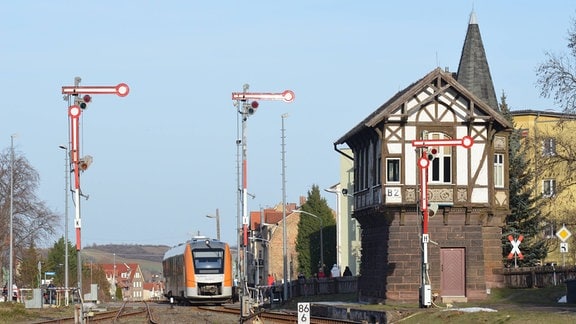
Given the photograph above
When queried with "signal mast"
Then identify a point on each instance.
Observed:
(429, 152)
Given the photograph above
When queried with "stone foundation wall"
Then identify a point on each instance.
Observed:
(392, 258)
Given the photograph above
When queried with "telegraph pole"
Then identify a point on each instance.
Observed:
(284, 234)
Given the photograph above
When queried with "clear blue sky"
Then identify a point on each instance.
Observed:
(165, 156)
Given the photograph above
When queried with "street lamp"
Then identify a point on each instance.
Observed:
(321, 228)
(217, 223)
(66, 175)
(337, 191)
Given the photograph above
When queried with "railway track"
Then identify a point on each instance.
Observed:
(126, 311)
(147, 310)
(272, 317)
(143, 312)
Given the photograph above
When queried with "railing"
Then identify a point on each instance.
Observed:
(325, 286)
(536, 277)
(525, 277)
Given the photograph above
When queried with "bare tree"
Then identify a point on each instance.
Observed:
(557, 75)
(32, 220)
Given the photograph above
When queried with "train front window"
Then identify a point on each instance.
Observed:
(208, 261)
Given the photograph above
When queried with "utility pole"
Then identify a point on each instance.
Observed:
(66, 265)
(11, 272)
(284, 234)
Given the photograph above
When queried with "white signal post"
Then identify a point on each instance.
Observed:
(424, 163)
(74, 112)
(247, 108)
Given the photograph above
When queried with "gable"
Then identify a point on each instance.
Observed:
(437, 97)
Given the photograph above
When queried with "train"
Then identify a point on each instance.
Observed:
(199, 272)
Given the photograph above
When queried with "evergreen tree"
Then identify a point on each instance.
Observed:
(91, 273)
(308, 238)
(525, 218)
(55, 262)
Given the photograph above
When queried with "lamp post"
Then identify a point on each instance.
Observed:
(337, 191)
(66, 175)
(217, 216)
(321, 228)
(11, 274)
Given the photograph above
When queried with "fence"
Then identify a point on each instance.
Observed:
(325, 286)
(537, 277)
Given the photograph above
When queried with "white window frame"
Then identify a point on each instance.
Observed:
(436, 173)
(397, 167)
(549, 188)
(549, 146)
(499, 170)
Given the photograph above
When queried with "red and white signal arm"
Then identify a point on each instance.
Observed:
(121, 90)
(286, 95)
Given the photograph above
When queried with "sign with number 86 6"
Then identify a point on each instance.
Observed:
(303, 313)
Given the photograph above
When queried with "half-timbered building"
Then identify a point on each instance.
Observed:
(469, 185)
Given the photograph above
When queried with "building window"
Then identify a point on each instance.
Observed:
(499, 170)
(378, 162)
(549, 188)
(441, 169)
(549, 147)
(362, 169)
(393, 170)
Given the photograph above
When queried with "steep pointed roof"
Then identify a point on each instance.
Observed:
(473, 70)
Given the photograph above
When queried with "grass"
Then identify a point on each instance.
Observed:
(17, 313)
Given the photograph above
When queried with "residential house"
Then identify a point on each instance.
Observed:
(549, 139)
(432, 121)
(153, 291)
(126, 276)
(348, 244)
(266, 255)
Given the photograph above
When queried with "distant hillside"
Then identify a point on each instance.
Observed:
(149, 257)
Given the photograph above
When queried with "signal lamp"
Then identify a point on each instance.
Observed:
(432, 153)
(253, 106)
(85, 162)
(84, 101)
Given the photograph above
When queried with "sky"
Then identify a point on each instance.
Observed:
(165, 156)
